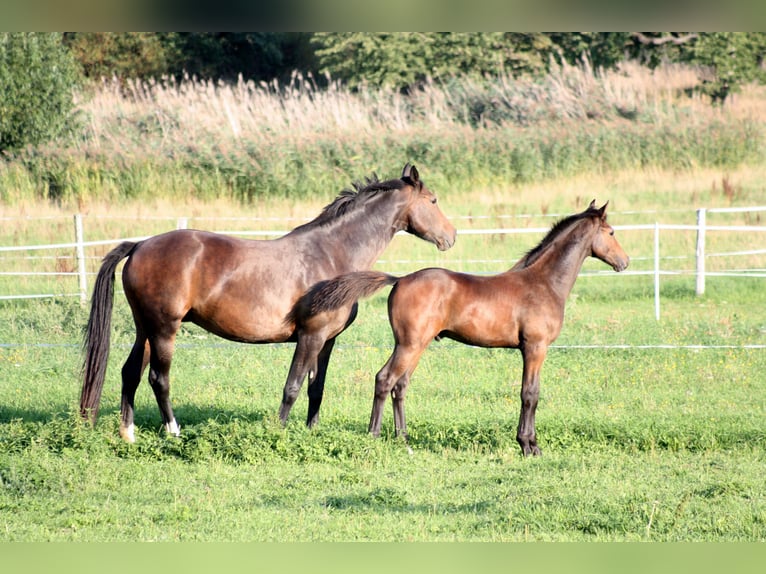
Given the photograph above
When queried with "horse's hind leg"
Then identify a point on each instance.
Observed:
(304, 362)
(159, 378)
(316, 339)
(316, 383)
(132, 371)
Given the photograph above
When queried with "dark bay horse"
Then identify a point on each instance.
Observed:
(522, 308)
(242, 289)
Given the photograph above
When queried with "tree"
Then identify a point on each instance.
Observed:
(403, 59)
(726, 59)
(209, 55)
(125, 55)
(730, 59)
(37, 75)
(254, 55)
(603, 49)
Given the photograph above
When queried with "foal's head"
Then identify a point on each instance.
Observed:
(605, 246)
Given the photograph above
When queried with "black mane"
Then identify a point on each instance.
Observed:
(556, 230)
(351, 199)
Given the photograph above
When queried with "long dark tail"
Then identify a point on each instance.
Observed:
(97, 333)
(342, 291)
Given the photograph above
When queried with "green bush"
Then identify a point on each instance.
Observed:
(37, 75)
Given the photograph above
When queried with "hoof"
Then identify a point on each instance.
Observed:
(173, 429)
(128, 433)
(531, 451)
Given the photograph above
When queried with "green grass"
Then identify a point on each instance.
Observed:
(660, 445)
(639, 444)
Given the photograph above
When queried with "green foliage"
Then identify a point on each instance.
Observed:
(261, 56)
(121, 54)
(602, 49)
(38, 76)
(404, 59)
(730, 59)
(321, 168)
(224, 56)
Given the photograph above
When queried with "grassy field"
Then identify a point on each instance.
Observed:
(650, 430)
(639, 444)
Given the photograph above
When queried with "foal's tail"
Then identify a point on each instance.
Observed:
(96, 343)
(343, 290)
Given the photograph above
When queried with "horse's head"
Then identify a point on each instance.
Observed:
(422, 216)
(605, 246)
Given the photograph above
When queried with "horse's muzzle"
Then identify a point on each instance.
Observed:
(444, 243)
(621, 264)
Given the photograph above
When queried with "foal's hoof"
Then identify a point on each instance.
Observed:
(532, 451)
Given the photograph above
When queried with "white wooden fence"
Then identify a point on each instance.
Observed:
(79, 246)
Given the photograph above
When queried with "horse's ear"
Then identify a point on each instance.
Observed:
(592, 204)
(410, 173)
(602, 210)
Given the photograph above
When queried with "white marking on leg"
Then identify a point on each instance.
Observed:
(172, 428)
(128, 433)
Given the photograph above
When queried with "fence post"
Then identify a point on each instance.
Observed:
(701, 215)
(80, 257)
(657, 271)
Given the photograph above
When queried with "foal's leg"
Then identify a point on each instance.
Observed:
(533, 356)
(316, 382)
(397, 398)
(159, 378)
(398, 368)
(132, 371)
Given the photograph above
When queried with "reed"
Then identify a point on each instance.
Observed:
(246, 141)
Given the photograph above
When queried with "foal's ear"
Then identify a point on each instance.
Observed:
(592, 204)
(602, 210)
(410, 173)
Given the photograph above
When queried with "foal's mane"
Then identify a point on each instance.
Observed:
(557, 229)
(351, 199)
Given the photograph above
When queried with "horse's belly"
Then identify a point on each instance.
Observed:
(244, 327)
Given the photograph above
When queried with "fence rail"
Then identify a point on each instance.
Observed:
(79, 245)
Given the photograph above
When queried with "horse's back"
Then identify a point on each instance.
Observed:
(176, 255)
(211, 279)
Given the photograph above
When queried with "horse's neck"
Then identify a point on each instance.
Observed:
(355, 241)
(561, 263)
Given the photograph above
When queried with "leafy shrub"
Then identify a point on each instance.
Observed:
(38, 75)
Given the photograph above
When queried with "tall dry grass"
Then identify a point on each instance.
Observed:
(173, 113)
(249, 141)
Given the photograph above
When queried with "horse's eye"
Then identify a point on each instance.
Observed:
(433, 200)
(611, 232)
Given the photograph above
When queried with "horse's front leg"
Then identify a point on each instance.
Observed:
(533, 356)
